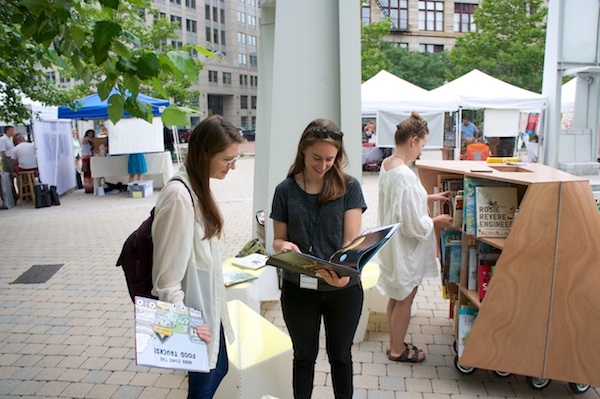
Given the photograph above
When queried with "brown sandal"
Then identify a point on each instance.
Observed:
(404, 357)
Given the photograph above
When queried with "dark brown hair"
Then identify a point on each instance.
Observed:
(414, 125)
(335, 180)
(212, 136)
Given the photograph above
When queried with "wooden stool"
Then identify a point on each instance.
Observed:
(26, 182)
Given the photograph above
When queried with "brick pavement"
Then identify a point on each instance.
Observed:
(72, 337)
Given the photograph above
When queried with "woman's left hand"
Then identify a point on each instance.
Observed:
(332, 278)
(204, 333)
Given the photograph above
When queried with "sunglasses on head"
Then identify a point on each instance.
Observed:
(322, 133)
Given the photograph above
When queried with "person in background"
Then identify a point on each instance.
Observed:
(317, 210)
(410, 255)
(77, 158)
(188, 270)
(87, 148)
(136, 166)
(368, 131)
(468, 129)
(23, 155)
(104, 133)
(7, 186)
(168, 140)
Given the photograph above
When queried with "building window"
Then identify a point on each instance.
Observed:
(251, 20)
(252, 40)
(252, 3)
(175, 18)
(253, 60)
(254, 123)
(215, 14)
(194, 53)
(64, 80)
(431, 48)
(223, 42)
(215, 36)
(194, 101)
(244, 102)
(397, 11)
(253, 102)
(242, 59)
(208, 33)
(431, 15)
(176, 44)
(222, 16)
(241, 17)
(227, 78)
(161, 15)
(176, 1)
(213, 76)
(243, 80)
(190, 25)
(206, 11)
(365, 12)
(244, 122)
(190, 3)
(463, 17)
(241, 38)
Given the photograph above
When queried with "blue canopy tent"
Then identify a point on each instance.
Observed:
(91, 107)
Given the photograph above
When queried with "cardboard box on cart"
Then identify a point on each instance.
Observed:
(141, 188)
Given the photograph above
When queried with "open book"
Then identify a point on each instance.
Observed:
(347, 261)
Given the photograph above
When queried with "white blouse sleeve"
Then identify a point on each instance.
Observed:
(415, 217)
(173, 239)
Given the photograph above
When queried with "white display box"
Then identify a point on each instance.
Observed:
(260, 358)
(141, 188)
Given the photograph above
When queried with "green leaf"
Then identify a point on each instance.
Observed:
(114, 4)
(126, 65)
(121, 49)
(173, 115)
(115, 107)
(207, 53)
(104, 89)
(168, 67)
(159, 87)
(147, 66)
(78, 35)
(104, 33)
(127, 35)
(132, 83)
(139, 109)
(185, 63)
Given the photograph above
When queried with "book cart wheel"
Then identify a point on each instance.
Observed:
(502, 374)
(578, 388)
(537, 383)
(463, 369)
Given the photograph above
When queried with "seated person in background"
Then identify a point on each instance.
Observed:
(368, 132)
(532, 149)
(23, 155)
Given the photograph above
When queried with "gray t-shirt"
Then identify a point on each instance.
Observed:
(315, 228)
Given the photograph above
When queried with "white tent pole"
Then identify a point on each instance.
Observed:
(458, 133)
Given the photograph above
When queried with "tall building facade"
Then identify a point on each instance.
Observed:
(422, 25)
(230, 28)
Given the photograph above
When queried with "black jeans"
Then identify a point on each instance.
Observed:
(302, 311)
(204, 385)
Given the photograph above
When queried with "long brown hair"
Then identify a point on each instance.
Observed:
(335, 180)
(415, 125)
(212, 136)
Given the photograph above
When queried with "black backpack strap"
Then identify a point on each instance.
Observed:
(186, 186)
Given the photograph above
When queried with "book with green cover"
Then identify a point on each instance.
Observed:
(347, 261)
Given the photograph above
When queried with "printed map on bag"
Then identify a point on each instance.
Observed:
(165, 336)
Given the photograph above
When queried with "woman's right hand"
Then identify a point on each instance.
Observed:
(442, 221)
(287, 246)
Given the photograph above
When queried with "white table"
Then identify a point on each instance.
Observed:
(371, 154)
(113, 168)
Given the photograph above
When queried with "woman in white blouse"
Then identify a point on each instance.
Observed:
(185, 233)
(409, 256)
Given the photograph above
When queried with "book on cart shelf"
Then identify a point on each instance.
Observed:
(466, 318)
(454, 250)
(252, 261)
(469, 200)
(495, 209)
(484, 275)
(237, 277)
(165, 336)
(347, 261)
(472, 262)
(452, 183)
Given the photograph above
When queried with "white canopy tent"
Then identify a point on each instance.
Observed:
(392, 99)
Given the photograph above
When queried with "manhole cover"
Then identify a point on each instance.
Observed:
(37, 274)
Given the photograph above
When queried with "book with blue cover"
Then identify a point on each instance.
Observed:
(469, 200)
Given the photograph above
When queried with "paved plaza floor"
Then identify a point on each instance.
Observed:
(72, 337)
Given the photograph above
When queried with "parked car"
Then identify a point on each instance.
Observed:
(184, 135)
(250, 135)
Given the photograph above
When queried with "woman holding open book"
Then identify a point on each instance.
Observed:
(318, 209)
(409, 256)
